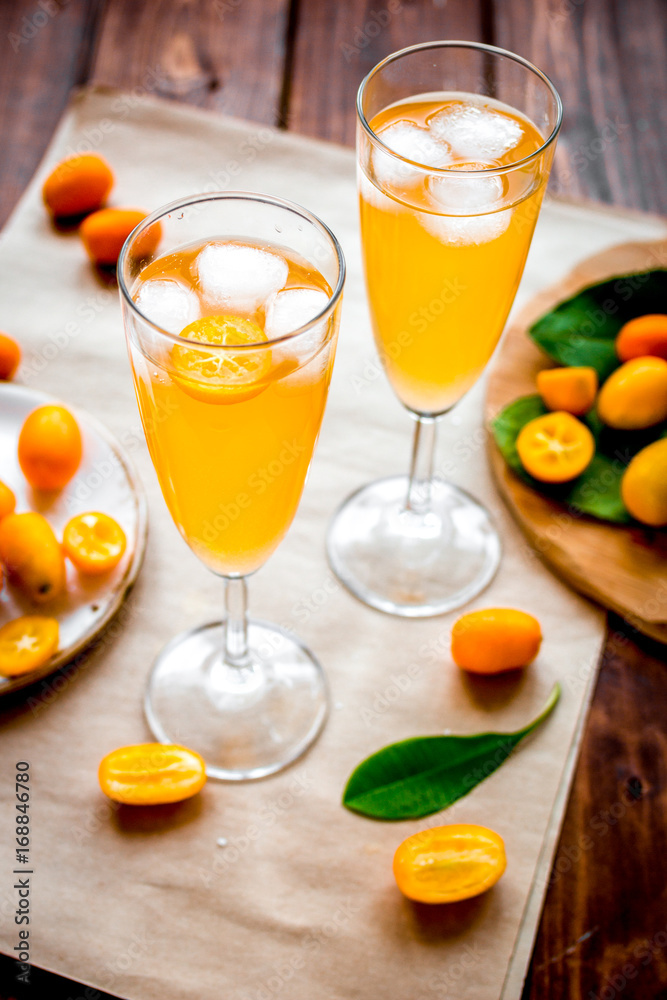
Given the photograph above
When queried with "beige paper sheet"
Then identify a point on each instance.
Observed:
(301, 903)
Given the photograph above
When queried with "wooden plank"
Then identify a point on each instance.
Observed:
(336, 44)
(604, 928)
(45, 52)
(226, 55)
(607, 59)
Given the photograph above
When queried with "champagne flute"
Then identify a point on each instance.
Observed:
(231, 305)
(455, 143)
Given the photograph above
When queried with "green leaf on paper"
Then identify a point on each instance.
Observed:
(582, 330)
(420, 776)
(597, 491)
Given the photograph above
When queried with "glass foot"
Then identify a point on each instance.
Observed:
(246, 722)
(409, 563)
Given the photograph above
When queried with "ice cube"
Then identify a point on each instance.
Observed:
(475, 132)
(288, 310)
(168, 303)
(467, 193)
(238, 279)
(468, 201)
(413, 142)
(467, 230)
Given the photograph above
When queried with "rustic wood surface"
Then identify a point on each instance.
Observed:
(297, 64)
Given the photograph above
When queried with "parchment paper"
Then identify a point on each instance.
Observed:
(300, 904)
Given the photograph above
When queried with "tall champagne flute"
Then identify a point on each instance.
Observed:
(231, 305)
(455, 143)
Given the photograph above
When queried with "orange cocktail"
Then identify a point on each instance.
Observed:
(443, 254)
(232, 449)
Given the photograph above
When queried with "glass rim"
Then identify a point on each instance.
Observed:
(180, 203)
(479, 46)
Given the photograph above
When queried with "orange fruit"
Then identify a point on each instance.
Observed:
(643, 336)
(7, 500)
(644, 485)
(26, 644)
(50, 447)
(449, 863)
(150, 774)
(556, 447)
(635, 395)
(495, 639)
(222, 376)
(32, 555)
(570, 389)
(104, 232)
(94, 542)
(77, 185)
(10, 356)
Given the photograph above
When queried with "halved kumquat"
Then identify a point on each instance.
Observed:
(449, 863)
(26, 644)
(556, 447)
(150, 774)
(222, 376)
(94, 542)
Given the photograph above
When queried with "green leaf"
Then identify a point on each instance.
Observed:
(423, 775)
(596, 492)
(582, 330)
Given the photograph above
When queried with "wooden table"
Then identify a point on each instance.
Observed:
(297, 64)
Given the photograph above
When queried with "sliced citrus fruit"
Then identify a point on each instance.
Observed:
(94, 542)
(26, 644)
(556, 447)
(222, 376)
(151, 774)
(449, 863)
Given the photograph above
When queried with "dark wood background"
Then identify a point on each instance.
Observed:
(297, 64)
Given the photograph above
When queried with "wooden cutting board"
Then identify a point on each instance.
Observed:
(622, 568)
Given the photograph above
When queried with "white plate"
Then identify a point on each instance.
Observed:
(105, 481)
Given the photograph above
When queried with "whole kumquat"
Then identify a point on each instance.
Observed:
(104, 232)
(77, 185)
(10, 357)
(556, 447)
(150, 774)
(642, 337)
(32, 556)
(570, 389)
(635, 395)
(94, 542)
(449, 863)
(7, 500)
(493, 640)
(644, 485)
(50, 447)
(26, 644)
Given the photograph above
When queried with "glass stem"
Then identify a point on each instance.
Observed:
(236, 622)
(421, 466)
